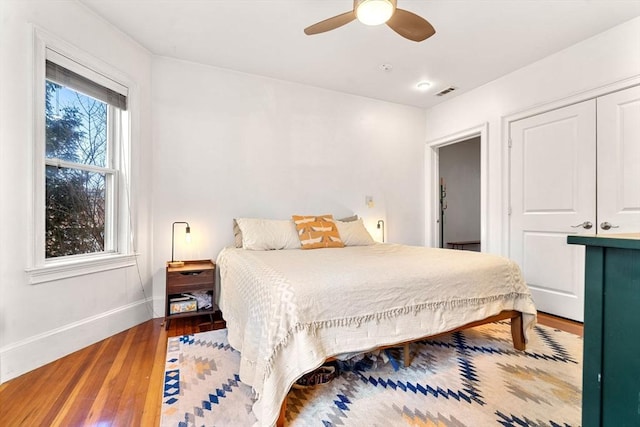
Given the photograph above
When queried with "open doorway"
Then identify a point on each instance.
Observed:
(434, 228)
(459, 195)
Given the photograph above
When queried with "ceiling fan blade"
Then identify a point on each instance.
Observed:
(410, 26)
(331, 23)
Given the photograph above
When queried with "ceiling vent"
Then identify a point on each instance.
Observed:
(446, 91)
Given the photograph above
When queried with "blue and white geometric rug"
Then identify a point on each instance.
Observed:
(470, 378)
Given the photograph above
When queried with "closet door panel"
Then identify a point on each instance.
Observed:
(553, 185)
(619, 161)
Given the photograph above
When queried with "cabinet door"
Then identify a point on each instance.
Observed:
(553, 187)
(620, 344)
(619, 161)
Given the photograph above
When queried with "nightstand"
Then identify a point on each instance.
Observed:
(191, 277)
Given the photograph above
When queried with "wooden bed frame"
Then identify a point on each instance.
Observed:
(517, 334)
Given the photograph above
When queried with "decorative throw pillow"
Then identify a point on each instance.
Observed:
(317, 231)
(354, 233)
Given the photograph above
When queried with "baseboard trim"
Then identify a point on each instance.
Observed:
(26, 355)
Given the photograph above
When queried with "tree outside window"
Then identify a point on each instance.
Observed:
(77, 172)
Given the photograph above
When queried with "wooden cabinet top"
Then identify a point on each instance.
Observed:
(203, 264)
(621, 240)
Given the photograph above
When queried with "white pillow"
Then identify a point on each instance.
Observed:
(265, 234)
(237, 234)
(353, 233)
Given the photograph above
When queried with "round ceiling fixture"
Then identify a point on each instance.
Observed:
(386, 67)
(374, 12)
(423, 85)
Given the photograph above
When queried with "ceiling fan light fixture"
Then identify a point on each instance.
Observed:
(374, 12)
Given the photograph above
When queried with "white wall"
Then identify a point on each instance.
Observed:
(609, 57)
(40, 323)
(228, 145)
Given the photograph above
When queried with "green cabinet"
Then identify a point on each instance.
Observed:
(611, 359)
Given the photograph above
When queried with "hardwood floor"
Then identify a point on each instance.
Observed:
(561, 323)
(115, 382)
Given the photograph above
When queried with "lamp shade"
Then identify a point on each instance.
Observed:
(374, 12)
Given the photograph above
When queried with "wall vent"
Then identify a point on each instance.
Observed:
(446, 91)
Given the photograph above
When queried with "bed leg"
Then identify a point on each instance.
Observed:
(517, 333)
(283, 411)
(406, 354)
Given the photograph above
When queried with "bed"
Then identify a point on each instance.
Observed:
(290, 310)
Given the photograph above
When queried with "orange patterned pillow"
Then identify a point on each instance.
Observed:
(317, 232)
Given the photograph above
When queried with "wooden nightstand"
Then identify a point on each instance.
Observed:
(192, 276)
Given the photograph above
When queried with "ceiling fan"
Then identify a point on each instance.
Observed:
(376, 12)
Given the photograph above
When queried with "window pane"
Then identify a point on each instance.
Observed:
(76, 126)
(75, 212)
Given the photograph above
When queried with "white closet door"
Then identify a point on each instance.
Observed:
(619, 162)
(553, 183)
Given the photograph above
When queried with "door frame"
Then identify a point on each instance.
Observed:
(432, 182)
(532, 111)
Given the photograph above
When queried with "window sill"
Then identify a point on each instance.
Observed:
(53, 272)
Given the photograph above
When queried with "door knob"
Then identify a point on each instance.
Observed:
(606, 226)
(586, 225)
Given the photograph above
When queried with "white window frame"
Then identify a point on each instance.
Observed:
(118, 233)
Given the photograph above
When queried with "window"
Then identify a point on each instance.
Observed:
(80, 171)
(81, 207)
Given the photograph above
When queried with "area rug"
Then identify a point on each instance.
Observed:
(471, 378)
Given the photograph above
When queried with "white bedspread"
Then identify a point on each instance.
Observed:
(289, 310)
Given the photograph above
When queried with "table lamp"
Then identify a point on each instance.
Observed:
(187, 237)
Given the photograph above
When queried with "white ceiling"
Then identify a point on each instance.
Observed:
(476, 41)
